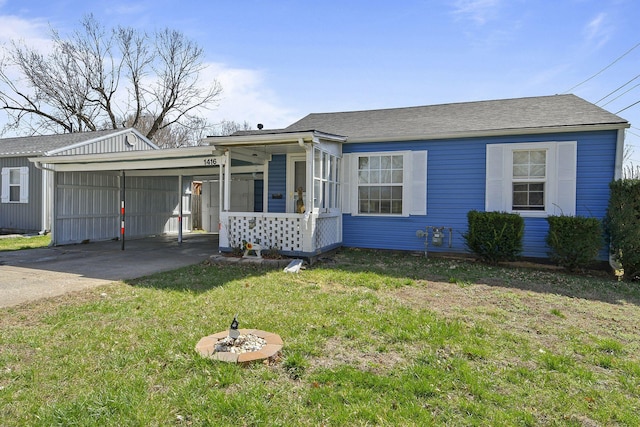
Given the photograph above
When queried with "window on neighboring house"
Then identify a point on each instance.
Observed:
(529, 176)
(380, 184)
(15, 185)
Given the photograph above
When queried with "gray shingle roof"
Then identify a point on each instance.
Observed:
(32, 145)
(466, 118)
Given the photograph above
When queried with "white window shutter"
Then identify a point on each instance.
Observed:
(566, 170)
(495, 174)
(24, 184)
(346, 185)
(418, 183)
(4, 196)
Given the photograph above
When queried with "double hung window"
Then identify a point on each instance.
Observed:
(380, 184)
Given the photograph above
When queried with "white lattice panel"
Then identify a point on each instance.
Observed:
(284, 232)
(272, 232)
(327, 231)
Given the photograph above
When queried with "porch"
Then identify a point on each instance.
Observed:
(280, 191)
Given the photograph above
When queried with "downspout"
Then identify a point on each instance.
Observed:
(617, 174)
(46, 199)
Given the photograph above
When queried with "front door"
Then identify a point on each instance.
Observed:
(297, 183)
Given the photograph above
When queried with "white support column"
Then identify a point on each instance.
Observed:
(180, 209)
(227, 181)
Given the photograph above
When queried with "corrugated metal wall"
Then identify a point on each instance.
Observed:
(456, 184)
(152, 205)
(23, 217)
(88, 206)
(114, 144)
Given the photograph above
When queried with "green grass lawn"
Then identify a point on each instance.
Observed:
(18, 243)
(371, 338)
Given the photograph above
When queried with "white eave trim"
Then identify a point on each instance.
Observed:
(175, 153)
(491, 133)
(271, 138)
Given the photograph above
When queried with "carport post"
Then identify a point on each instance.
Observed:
(122, 190)
(180, 209)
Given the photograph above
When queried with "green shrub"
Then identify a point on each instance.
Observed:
(623, 225)
(494, 236)
(574, 240)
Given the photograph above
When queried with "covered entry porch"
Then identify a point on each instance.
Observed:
(293, 201)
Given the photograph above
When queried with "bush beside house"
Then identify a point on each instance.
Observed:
(494, 236)
(575, 241)
(623, 225)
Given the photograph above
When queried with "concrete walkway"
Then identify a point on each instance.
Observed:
(32, 274)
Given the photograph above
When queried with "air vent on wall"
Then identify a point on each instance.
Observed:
(131, 140)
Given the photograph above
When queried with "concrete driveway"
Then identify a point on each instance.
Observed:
(29, 275)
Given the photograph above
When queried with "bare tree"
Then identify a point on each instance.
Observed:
(100, 79)
(629, 171)
(227, 127)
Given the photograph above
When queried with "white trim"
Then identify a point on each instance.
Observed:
(406, 182)
(617, 174)
(23, 185)
(271, 138)
(4, 192)
(290, 178)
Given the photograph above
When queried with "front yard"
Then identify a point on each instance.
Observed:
(370, 338)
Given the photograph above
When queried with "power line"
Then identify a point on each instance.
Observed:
(627, 107)
(617, 89)
(604, 69)
(623, 93)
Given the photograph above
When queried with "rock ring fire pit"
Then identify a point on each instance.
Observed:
(239, 345)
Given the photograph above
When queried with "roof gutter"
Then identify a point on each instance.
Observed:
(491, 133)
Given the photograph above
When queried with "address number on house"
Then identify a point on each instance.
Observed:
(211, 161)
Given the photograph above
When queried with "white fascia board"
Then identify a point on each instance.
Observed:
(270, 138)
(171, 153)
(490, 133)
(190, 162)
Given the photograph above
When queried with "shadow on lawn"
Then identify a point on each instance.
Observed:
(200, 277)
(597, 285)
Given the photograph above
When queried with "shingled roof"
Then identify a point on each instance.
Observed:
(465, 119)
(32, 145)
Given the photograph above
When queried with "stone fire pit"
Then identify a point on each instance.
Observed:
(251, 345)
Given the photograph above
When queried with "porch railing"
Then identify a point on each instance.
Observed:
(287, 233)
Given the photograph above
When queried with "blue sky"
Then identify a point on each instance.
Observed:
(280, 60)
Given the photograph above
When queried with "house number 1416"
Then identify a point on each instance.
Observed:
(212, 161)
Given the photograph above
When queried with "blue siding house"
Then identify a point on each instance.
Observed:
(383, 178)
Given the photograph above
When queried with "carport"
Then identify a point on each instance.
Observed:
(132, 194)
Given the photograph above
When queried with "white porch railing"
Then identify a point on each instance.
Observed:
(297, 233)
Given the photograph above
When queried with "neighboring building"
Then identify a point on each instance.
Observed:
(371, 179)
(27, 188)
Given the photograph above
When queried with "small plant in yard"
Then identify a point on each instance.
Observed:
(295, 365)
(368, 340)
